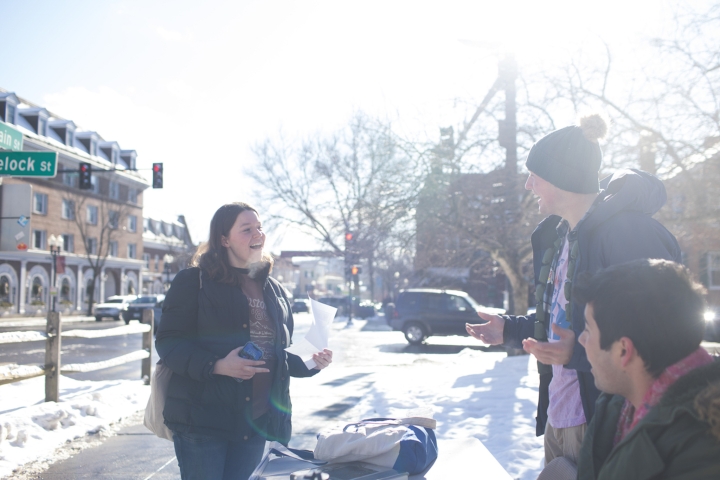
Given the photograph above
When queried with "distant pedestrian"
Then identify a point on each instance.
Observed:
(589, 227)
(221, 407)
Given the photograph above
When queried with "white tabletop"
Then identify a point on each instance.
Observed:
(465, 458)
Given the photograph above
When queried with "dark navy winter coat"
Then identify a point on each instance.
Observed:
(202, 325)
(620, 228)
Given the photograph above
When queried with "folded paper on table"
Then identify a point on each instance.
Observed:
(316, 339)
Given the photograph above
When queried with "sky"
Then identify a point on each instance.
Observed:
(196, 84)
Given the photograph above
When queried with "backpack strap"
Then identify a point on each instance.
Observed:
(200, 274)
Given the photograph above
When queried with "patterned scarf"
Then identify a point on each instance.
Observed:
(629, 417)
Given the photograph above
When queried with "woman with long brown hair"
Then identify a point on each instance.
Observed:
(220, 406)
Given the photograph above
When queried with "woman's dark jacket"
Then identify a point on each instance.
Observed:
(202, 321)
(618, 228)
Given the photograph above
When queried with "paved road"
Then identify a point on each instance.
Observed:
(76, 350)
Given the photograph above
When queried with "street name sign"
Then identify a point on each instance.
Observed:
(28, 164)
(10, 139)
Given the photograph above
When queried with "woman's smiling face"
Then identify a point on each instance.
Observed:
(245, 240)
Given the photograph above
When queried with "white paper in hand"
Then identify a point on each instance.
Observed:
(316, 339)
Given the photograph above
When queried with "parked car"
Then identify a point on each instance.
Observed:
(134, 309)
(360, 310)
(300, 305)
(112, 307)
(422, 312)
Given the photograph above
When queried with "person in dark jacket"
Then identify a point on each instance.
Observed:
(659, 413)
(589, 226)
(221, 407)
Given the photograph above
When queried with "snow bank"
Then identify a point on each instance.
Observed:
(29, 433)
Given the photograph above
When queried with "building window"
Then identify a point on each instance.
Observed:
(132, 223)
(91, 246)
(39, 237)
(40, 203)
(41, 126)
(146, 258)
(132, 195)
(157, 263)
(68, 243)
(713, 265)
(132, 250)
(69, 179)
(68, 209)
(95, 184)
(113, 249)
(10, 115)
(113, 218)
(70, 137)
(114, 190)
(92, 214)
(5, 295)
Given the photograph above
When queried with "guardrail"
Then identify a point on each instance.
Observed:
(53, 366)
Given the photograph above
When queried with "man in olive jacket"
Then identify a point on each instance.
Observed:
(659, 413)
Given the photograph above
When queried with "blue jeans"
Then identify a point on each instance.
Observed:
(202, 457)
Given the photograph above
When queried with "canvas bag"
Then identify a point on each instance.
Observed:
(154, 420)
(403, 444)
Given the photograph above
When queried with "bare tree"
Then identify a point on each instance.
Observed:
(98, 230)
(666, 112)
(474, 193)
(359, 179)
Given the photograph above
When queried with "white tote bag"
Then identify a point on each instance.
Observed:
(154, 420)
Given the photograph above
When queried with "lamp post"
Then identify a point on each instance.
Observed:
(55, 242)
(167, 260)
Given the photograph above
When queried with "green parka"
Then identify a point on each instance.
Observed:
(678, 439)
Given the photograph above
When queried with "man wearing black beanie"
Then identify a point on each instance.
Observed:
(589, 226)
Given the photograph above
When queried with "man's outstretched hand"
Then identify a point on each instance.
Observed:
(555, 353)
(490, 332)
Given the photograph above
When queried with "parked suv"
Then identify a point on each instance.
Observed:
(134, 309)
(422, 312)
(112, 307)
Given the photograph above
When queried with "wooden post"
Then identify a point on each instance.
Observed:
(53, 329)
(148, 316)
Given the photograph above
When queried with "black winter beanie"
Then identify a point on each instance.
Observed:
(570, 158)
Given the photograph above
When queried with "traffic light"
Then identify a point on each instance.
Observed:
(85, 176)
(157, 175)
(355, 271)
(349, 241)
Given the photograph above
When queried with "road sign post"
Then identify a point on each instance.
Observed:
(28, 164)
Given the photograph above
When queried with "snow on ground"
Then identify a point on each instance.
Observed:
(473, 393)
(31, 429)
(485, 395)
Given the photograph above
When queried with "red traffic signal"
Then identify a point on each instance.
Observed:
(85, 182)
(348, 236)
(355, 270)
(157, 170)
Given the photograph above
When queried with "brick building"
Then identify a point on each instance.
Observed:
(100, 227)
(167, 249)
(692, 214)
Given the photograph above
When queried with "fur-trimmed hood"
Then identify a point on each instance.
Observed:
(700, 390)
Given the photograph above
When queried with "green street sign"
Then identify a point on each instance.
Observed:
(10, 139)
(28, 164)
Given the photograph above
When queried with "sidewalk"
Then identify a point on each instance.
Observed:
(133, 453)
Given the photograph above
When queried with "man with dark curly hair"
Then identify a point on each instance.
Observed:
(659, 415)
